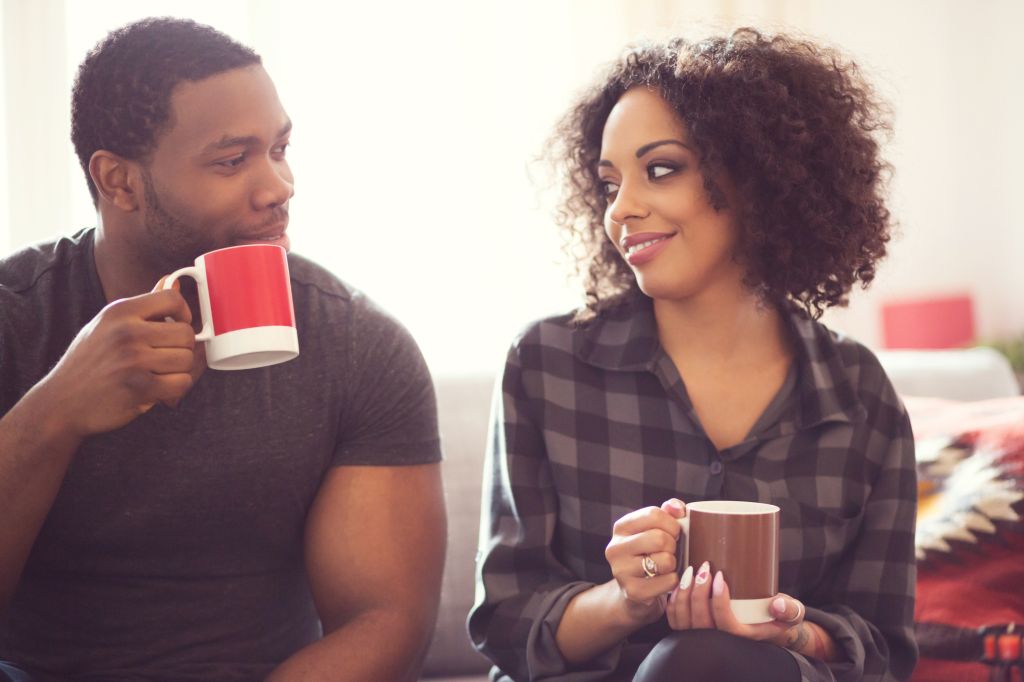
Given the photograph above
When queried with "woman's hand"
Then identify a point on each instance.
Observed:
(702, 602)
(642, 556)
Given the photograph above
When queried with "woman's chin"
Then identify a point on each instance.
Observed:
(664, 291)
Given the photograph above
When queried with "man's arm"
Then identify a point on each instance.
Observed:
(120, 365)
(35, 450)
(375, 546)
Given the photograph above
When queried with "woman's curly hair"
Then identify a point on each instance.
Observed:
(793, 124)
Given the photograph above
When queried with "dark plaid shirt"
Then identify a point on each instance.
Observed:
(592, 423)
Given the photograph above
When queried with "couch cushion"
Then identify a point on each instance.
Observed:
(463, 410)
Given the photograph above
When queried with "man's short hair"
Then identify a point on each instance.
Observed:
(121, 99)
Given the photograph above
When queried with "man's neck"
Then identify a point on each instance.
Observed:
(122, 271)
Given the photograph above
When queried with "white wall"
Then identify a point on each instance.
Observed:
(952, 71)
(416, 124)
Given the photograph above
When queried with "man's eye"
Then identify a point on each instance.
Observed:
(658, 170)
(609, 188)
(233, 162)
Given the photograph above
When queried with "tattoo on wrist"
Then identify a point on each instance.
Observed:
(798, 638)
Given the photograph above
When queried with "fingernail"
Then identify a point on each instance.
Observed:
(702, 574)
(676, 505)
(718, 585)
(684, 582)
(780, 606)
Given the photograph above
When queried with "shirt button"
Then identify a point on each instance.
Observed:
(716, 467)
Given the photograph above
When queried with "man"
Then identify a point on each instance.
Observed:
(159, 521)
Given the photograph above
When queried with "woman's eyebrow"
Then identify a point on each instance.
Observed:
(652, 145)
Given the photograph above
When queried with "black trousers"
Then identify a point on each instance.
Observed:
(9, 673)
(716, 656)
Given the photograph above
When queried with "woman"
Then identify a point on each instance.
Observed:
(725, 193)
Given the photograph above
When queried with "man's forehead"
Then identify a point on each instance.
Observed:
(238, 103)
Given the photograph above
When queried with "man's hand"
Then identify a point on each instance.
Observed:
(127, 359)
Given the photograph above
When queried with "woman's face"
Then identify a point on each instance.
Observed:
(659, 215)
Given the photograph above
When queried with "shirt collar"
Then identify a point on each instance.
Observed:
(625, 338)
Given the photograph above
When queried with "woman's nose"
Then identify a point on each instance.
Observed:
(626, 205)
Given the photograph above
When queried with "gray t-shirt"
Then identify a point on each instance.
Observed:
(174, 548)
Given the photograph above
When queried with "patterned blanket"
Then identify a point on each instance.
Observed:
(970, 533)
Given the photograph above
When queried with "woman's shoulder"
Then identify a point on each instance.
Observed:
(554, 332)
(853, 363)
(580, 332)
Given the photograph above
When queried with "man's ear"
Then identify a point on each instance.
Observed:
(117, 179)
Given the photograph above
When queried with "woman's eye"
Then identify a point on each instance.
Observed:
(281, 148)
(609, 188)
(657, 170)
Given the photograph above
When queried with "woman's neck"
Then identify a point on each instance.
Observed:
(731, 326)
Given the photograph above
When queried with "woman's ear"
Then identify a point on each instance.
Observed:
(116, 179)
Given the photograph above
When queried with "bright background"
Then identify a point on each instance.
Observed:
(417, 123)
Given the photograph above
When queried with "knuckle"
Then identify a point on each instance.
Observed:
(185, 383)
(123, 334)
(138, 381)
(188, 336)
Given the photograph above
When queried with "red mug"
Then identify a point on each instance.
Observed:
(245, 299)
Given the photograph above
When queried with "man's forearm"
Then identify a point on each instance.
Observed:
(35, 451)
(385, 645)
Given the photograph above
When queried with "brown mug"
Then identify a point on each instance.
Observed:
(740, 539)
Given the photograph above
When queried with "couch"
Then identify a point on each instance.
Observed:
(464, 407)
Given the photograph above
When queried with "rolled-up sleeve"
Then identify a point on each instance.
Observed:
(870, 602)
(522, 589)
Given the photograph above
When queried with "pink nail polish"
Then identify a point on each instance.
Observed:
(702, 574)
(780, 606)
(686, 579)
(719, 585)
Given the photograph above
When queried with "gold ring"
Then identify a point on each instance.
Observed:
(649, 566)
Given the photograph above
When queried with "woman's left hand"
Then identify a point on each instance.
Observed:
(703, 602)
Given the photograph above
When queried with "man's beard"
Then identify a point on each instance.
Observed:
(171, 242)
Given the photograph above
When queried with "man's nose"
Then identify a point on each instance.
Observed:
(275, 185)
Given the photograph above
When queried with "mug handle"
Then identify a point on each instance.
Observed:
(684, 555)
(206, 333)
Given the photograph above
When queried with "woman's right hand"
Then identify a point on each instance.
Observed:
(653, 532)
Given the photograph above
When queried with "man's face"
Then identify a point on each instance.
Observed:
(218, 176)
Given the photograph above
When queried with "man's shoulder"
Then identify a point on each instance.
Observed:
(23, 270)
(312, 278)
(324, 299)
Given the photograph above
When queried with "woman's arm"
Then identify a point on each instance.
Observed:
(533, 616)
(603, 616)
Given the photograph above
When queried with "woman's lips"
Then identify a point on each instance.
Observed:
(641, 248)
